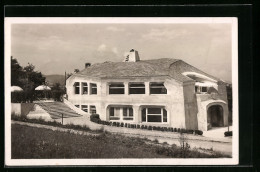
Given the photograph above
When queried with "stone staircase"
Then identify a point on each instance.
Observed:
(57, 109)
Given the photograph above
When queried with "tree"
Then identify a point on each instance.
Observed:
(34, 77)
(18, 76)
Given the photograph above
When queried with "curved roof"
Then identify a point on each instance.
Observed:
(143, 68)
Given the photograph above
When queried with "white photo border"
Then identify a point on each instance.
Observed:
(119, 162)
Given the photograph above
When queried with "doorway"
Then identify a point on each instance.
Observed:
(215, 116)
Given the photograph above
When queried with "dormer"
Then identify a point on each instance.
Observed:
(132, 56)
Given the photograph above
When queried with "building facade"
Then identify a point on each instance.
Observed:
(165, 92)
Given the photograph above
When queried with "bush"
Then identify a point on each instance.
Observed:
(161, 128)
(199, 132)
(95, 118)
(149, 127)
(145, 127)
(228, 133)
(137, 126)
(126, 125)
(178, 130)
(132, 125)
(142, 127)
(190, 131)
(154, 128)
(122, 124)
(165, 129)
(118, 124)
(175, 129)
(170, 129)
(114, 124)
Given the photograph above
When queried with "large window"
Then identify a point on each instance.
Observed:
(84, 88)
(121, 113)
(154, 115)
(93, 88)
(116, 88)
(128, 113)
(114, 113)
(76, 87)
(84, 108)
(136, 88)
(157, 88)
(92, 109)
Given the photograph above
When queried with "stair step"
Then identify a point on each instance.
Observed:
(56, 109)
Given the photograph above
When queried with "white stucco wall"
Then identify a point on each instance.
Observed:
(173, 101)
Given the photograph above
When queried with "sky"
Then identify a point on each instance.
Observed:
(56, 48)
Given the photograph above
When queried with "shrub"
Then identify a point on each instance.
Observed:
(149, 127)
(190, 131)
(145, 127)
(165, 129)
(118, 124)
(114, 124)
(137, 126)
(182, 130)
(228, 133)
(175, 129)
(95, 118)
(132, 126)
(126, 125)
(154, 127)
(122, 124)
(142, 127)
(199, 132)
(178, 130)
(170, 129)
(161, 128)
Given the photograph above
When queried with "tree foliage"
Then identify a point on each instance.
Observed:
(25, 77)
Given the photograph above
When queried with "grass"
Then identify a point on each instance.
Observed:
(38, 143)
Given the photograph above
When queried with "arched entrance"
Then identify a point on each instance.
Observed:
(215, 116)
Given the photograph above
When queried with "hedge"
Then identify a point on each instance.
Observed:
(95, 118)
(228, 133)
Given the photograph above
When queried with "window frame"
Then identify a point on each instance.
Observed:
(84, 86)
(86, 107)
(76, 87)
(114, 87)
(90, 109)
(162, 109)
(137, 87)
(91, 88)
(154, 87)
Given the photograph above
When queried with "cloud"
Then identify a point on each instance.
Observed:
(161, 34)
(114, 29)
(102, 47)
(114, 50)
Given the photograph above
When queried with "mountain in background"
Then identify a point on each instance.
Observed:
(52, 79)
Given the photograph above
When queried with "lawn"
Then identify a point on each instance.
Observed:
(37, 143)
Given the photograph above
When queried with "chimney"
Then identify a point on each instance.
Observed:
(87, 65)
(132, 56)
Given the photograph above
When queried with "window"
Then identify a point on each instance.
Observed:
(157, 88)
(76, 87)
(84, 88)
(93, 88)
(127, 113)
(77, 106)
(84, 108)
(92, 109)
(204, 89)
(197, 90)
(158, 115)
(117, 88)
(114, 113)
(136, 88)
